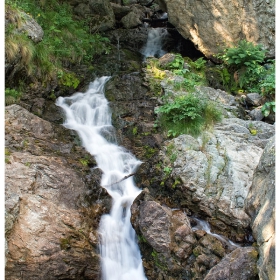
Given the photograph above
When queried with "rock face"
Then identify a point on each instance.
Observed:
(32, 28)
(170, 248)
(99, 12)
(212, 26)
(216, 171)
(239, 264)
(260, 206)
(53, 202)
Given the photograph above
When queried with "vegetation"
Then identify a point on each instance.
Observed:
(11, 96)
(185, 113)
(188, 114)
(249, 72)
(66, 41)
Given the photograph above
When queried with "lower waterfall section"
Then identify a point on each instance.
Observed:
(90, 116)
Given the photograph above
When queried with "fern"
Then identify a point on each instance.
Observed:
(187, 114)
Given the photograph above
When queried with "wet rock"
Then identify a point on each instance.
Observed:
(145, 2)
(134, 18)
(130, 2)
(260, 205)
(239, 264)
(213, 27)
(254, 99)
(169, 246)
(51, 218)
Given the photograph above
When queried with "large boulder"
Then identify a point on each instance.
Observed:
(239, 264)
(53, 202)
(171, 248)
(260, 206)
(212, 26)
(98, 12)
(214, 172)
(33, 30)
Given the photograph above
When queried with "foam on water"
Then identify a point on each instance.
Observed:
(89, 115)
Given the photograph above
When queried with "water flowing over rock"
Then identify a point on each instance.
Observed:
(90, 115)
(53, 202)
(260, 205)
(212, 26)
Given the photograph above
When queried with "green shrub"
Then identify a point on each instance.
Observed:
(11, 96)
(268, 108)
(244, 54)
(66, 41)
(244, 62)
(187, 115)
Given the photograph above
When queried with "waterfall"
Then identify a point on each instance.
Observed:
(153, 46)
(89, 114)
(204, 225)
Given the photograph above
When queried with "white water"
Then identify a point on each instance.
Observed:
(89, 114)
(153, 47)
(206, 227)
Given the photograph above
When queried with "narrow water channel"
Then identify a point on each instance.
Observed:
(89, 115)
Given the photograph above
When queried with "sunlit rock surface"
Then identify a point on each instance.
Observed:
(53, 202)
(212, 26)
(260, 205)
(239, 264)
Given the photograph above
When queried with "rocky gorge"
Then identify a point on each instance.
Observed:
(226, 176)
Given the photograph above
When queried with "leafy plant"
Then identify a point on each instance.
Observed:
(244, 62)
(244, 54)
(84, 161)
(268, 108)
(167, 170)
(68, 79)
(12, 96)
(187, 114)
(177, 63)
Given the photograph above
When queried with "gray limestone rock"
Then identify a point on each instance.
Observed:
(32, 28)
(216, 169)
(256, 114)
(260, 206)
(254, 99)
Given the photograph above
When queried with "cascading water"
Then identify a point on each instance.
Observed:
(153, 46)
(206, 227)
(89, 114)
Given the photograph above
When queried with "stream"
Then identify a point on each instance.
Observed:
(89, 115)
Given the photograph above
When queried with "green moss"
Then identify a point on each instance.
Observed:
(177, 182)
(134, 130)
(65, 244)
(149, 152)
(254, 254)
(196, 252)
(157, 260)
(141, 239)
(7, 152)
